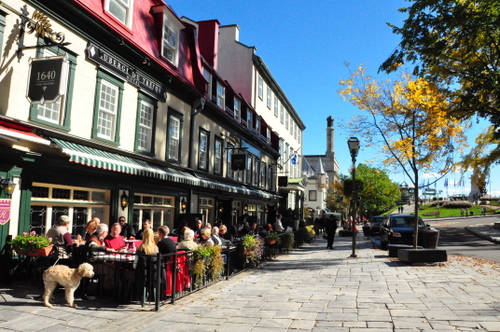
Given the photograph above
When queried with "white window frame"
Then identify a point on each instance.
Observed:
(127, 5)
(269, 97)
(257, 125)
(282, 113)
(221, 96)
(260, 87)
(171, 23)
(52, 112)
(249, 119)
(108, 114)
(237, 109)
(203, 150)
(145, 126)
(218, 148)
(287, 117)
(174, 139)
(276, 105)
(208, 77)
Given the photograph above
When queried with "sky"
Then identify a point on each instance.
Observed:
(305, 45)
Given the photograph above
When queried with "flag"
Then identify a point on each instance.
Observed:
(446, 183)
(294, 159)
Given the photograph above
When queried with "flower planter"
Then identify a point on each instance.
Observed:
(270, 241)
(43, 252)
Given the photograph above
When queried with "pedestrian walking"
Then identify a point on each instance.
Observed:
(331, 228)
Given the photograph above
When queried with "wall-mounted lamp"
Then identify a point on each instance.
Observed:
(245, 207)
(183, 204)
(124, 200)
(7, 185)
(146, 61)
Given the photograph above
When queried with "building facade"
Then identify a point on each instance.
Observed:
(248, 73)
(137, 127)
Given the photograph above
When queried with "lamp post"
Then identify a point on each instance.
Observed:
(353, 144)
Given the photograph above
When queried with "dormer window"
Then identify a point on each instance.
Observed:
(121, 10)
(221, 96)
(170, 38)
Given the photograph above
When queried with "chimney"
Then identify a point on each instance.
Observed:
(208, 40)
(329, 137)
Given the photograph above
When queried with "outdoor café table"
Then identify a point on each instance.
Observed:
(120, 263)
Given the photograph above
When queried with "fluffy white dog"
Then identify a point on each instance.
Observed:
(68, 278)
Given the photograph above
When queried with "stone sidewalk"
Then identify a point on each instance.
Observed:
(310, 289)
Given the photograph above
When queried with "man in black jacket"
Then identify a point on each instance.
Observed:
(127, 230)
(331, 228)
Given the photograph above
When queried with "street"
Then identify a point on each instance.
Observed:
(456, 240)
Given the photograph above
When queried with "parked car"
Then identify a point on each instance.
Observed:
(375, 224)
(399, 229)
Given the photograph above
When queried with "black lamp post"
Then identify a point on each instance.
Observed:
(353, 144)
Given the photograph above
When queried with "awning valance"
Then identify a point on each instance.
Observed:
(93, 157)
(17, 134)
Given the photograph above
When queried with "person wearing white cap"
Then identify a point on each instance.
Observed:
(61, 239)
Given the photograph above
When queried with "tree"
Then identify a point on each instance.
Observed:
(409, 120)
(378, 193)
(456, 45)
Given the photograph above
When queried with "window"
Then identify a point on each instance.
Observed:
(263, 169)
(174, 136)
(218, 148)
(286, 120)
(249, 169)
(269, 97)
(221, 96)
(249, 119)
(276, 106)
(286, 158)
(229, 171)
(313, 195)
(208, 77)
(107, 109)
(257, 125)
(270, 179)
(292, 127)
(256, 172)
(282, 155)
(261, 88)
(282, 114)
(56, 114)
(268, 135)
(121, 10)
(2, 29)
(145, 125)
(203, 150)
(170, 38)
(237, 109)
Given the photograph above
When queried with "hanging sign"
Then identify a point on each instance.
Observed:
(48, 79)
(238, 162)
(4, 211)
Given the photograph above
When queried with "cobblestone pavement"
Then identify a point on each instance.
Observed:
(310, 289)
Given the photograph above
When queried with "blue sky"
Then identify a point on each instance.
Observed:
(305, 45)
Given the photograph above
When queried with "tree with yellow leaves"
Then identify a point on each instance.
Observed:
(409, 120)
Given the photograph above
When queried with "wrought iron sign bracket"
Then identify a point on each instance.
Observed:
(40, 24)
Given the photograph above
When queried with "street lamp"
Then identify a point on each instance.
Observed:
(353, 144)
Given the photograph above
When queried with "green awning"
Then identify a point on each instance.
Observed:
(93, 157)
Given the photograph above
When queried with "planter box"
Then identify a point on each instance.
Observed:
(394, 248)
(43, 252)
(412, 256)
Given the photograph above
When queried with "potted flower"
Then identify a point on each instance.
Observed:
(273, 238)
(252, 249)
(207, 262)
(31, 244)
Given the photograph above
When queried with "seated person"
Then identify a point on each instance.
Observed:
(166, 245)
(61, 238)
(114, 241)
(188, 242)
(225, 236)
(206, 237)
(127, 230)
(146, 224)
(215, 236)
(90, 228)
(95, 243)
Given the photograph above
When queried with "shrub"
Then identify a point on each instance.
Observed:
(457, 205)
